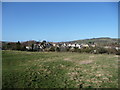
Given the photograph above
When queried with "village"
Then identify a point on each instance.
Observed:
(62, 46)
(41, 46)
(71, 46)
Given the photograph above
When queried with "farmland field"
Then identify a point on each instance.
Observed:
(23, 69)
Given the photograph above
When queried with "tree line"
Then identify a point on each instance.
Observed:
(22, 47)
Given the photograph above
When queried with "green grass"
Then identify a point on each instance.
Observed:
(58, 70)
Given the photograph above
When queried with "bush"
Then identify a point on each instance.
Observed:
(87, 50)
(101, 50)
(57, 49)
(63, 49)
(112, 51)
(52, 48)
(23, 48)
(76, 49)
(118, 52)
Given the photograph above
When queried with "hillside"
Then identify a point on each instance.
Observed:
(101, 41)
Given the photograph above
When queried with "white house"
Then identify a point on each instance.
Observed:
(74, 45)
(28, 47)
(117, 48)
(107, 47)
(85, 45)
(93, 45)
(54, 44)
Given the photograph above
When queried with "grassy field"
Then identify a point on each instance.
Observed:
(59, 70)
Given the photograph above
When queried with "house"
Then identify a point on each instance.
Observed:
(64, 45)
(93, 45)
(28, 47)
(79, 46)
(117, 48)
(54, 44)
(74, 45)
(85, 45)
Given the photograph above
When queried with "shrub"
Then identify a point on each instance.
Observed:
(57, 49)
(63, 49)
(101, 50)
(112, 51)
(52, 48)
(87, 50)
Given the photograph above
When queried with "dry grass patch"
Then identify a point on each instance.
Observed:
(67, 59)
(86, 62)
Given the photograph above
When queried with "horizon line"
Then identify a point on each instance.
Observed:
(59, 41)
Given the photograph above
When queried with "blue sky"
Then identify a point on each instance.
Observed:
(59, 21)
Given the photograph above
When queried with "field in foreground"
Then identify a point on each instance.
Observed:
(58, 70)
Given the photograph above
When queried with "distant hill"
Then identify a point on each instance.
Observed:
(101, 41)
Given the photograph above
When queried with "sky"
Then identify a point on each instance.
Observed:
(58, 21)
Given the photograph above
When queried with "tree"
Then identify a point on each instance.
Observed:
(43, 42)
(57, 49)
(23, 48)
(32, 47)
(18, 45)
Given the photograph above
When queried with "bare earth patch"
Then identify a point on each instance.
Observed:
(86, 62)
(67, 59)
(116, 56)
(91, 56)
